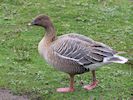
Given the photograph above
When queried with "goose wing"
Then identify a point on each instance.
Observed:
(80, 50)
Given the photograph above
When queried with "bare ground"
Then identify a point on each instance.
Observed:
(6, 94)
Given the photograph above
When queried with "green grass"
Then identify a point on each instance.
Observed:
(24, 72)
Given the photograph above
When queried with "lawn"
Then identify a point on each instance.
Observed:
(24, 72)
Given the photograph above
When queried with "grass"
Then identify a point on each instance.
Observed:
(24, 72)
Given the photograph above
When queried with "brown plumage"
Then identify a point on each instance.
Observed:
(73, 53)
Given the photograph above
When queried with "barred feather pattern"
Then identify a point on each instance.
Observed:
(77, 51)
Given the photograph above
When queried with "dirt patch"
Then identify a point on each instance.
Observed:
(131, 0)
(6, 94)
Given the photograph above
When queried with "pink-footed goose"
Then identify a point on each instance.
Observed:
(73, 53)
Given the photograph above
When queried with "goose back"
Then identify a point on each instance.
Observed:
(72, 52)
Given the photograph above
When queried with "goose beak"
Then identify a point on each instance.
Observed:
(32, 23)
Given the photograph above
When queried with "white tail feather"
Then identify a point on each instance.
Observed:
(115, 59)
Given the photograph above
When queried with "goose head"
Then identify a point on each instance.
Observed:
(43, 21)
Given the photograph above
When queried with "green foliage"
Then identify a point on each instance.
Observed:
(24, 72)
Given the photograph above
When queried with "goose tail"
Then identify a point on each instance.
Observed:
(115, 59)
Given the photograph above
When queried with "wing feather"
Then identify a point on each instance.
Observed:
(78, 50)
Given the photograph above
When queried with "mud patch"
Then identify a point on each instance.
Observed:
(131, 0)
(6, 94)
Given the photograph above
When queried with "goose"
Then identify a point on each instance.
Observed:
(74, 53)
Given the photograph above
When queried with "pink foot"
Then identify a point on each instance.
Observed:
(64, 90)
(91, 86)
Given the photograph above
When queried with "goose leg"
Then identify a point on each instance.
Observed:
(70, 88)
(94, 82)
